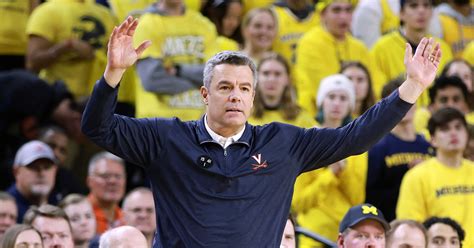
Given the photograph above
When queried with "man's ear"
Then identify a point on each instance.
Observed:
(340, 241)
(204, 94)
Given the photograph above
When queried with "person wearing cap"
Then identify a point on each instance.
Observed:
(363, 226)
(220, 181)
(34, 169)
(323, 196)
(322, 50)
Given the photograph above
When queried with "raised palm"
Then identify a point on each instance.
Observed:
(423, 66)
(121, 54)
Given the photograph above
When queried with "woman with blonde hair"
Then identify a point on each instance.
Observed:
(259, 30)
(275, 96)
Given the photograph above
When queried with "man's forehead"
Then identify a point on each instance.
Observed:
(229, 72)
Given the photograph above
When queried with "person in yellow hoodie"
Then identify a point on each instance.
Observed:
(444, 185)
(275, 97)
(322, 197)
(171, 70)
(322, 49)
(415, 16)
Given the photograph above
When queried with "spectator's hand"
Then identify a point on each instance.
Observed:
(83, 49)
(422, 67)
(121, 54)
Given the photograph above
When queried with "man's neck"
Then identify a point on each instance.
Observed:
(223, 131)
(405, 131)
(412, 35)
(450, 159)
(33, 199)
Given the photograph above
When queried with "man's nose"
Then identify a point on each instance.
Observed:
(235, 95)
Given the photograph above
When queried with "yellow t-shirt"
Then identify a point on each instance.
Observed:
(302, 120)
(13, 39)
(390, 21)
(319, 55)
(186, 39)
(456, 35)
(290, 30)
(227, 44)
(321, 199)
(123, 8)
(388, 54)
(468, 53)
(434, 189)
(59, 20)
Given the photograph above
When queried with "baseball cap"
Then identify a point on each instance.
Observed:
(32, 151)
(362, 212)
(335, 82)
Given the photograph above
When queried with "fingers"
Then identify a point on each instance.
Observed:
(428, 49)
(142, 47)
(421, 47)
(123, 27)
(408, 53)
(436, 55)
(132, 27)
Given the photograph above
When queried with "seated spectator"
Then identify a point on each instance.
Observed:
(66, 181)
(444, 232)
(139, 211)
(392, 157)
(406, 233)
(362, 226)
(53, 224)
(431, 188)
(8, 212)
(259, 28)
(81, 217)
(288, 240)
(123, 237)
(106, 182)
(322, 197)
(275, 96)
(360, 77)
(35, 171)
(22, 236)
(226, 15)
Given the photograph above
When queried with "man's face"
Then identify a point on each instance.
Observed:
(443, 236)
(407, 236)
(337, 18)
(449, 97)
(451, 137)
(230, 97)
(416, 14)
(58, 143)
(55, 232)
(139, 211)
(107, 181)
(8, 215)
(366, 234)
(36, 179)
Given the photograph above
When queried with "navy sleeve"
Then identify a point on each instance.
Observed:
(321, 147)
(135, 140)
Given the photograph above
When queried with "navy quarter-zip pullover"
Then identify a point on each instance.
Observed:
(208, 196)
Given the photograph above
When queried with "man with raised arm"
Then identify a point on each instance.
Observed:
(219, 181)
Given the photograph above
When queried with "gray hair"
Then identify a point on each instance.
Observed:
(4, 196)
(230, 58)
(103, 155)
